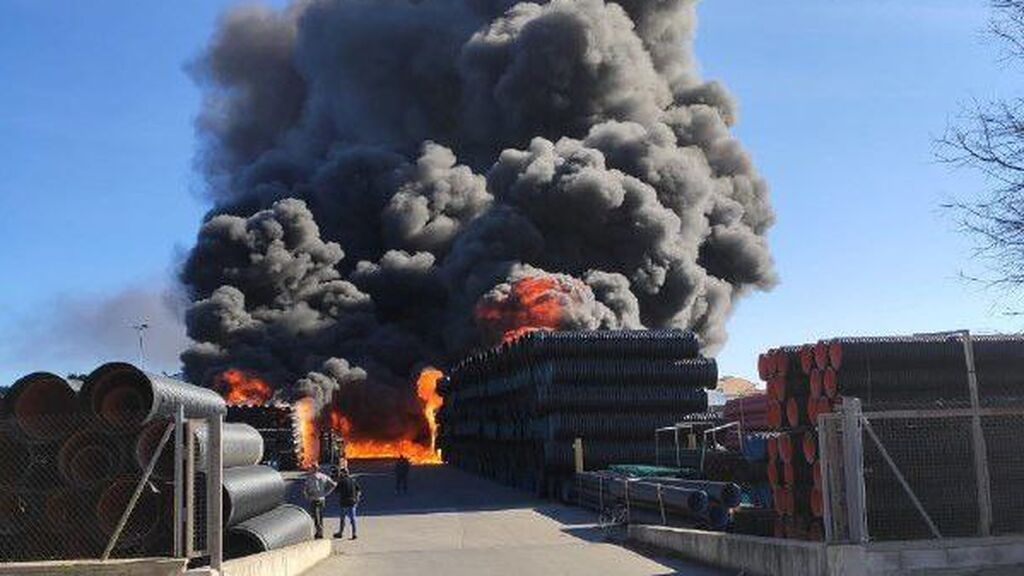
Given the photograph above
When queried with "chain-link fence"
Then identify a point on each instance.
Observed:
(922, 473)
(75, 488)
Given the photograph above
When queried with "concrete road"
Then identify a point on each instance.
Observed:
(455, 524)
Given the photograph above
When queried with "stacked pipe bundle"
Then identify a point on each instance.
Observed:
(659, 500)
(512, 412)
(794, 384)
(930, 372)
(73, 453)
(278, 424)
(69, 461)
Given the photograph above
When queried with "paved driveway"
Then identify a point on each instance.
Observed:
(455, 524)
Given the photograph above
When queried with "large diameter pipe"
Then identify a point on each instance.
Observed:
(43, 405)
(88, 458)
(283, 526)
(251, 491)
(16, 459)
(144, 519)
(243, 446)
(123, 397)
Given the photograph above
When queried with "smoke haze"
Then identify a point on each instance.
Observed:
(383, 170)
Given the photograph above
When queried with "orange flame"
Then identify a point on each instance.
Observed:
(305, 413)
(533, 303)
(426, 389)
(241, 388)
(357, 447)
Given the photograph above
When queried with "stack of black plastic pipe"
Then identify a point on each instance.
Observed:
(935, 455)
(73, 453)
(512, 412)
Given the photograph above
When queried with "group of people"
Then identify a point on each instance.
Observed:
(320, 485)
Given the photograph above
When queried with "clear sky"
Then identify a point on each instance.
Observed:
(839, 103)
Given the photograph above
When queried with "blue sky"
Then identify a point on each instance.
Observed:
(839, 102)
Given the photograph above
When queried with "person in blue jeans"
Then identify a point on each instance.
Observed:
(349, 494)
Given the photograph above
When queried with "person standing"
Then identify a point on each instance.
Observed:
(402, 475)
(316, 489)
(349, 494)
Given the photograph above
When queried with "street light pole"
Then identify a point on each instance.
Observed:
(141, 328)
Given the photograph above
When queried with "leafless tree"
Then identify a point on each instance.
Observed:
(989, 138)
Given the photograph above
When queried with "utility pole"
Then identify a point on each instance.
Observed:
(141, 328)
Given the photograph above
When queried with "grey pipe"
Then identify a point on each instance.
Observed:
(122, 397)
(250, 491)
(725, 493)
(283, 526)
(243, 446)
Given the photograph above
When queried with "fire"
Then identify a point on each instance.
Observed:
(243, 388)
(305, 414)
(531, 303)
(357, 447)
(426, 389)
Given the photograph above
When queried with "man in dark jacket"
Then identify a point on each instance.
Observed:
(349, 494)
(402, 475)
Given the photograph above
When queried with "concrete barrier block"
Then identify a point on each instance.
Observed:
(923, 559)
(289, 561)
(127, 567)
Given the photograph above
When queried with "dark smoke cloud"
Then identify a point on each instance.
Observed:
(83, 331)
(379, 168)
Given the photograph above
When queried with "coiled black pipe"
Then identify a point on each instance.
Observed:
(243, 446)
(43, 405)
(250, 491)
(283, 526)
(123, 397)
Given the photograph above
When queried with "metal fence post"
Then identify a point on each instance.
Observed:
(179, 476)
(190, 489)
(824, 460)
(979, 449)
(853, 469)
(214, 492)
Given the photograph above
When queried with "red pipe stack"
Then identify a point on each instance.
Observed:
(795, 378)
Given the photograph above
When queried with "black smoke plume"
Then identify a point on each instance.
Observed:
(379, 168)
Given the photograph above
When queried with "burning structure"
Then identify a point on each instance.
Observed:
(496, 167)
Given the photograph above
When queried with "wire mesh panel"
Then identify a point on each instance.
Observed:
(1004, 435)
(920, 479)
(65, 484)
(925, 473)
(833, 477)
